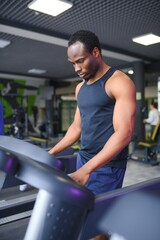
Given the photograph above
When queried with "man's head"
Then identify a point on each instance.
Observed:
(153, 105)
(84, 52)
(87, 38)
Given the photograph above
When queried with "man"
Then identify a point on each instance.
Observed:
(1, 120)
(104, 118)
(153, 117)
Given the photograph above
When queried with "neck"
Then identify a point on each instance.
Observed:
(101, 71)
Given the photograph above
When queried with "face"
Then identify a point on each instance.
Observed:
(151, 106)
(85, 64)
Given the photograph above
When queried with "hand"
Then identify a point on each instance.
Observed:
(51, 151)
(80, 176)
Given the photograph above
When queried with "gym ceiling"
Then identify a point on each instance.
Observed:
(39, 41)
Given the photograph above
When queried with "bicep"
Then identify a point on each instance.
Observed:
(125, 108)
(77, 119)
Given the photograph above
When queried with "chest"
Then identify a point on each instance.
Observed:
(93, 96)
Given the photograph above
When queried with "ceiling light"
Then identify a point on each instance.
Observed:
(51, 7)
(4, 43)
(130, 71)
(36, 71)
(147, 39)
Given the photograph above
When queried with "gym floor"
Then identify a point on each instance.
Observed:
(138, 172)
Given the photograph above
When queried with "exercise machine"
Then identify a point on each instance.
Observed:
(64, 210)
(60, 201)
(133, 213)
(149, 146)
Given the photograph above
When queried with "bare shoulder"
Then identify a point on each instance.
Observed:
(119, 83)
(120, 77)
(79, 85)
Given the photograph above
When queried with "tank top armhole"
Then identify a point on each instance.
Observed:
(78, 87)
(105, 78)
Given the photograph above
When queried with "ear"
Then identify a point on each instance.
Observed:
(95, 52)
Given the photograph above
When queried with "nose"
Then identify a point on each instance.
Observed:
(77, 68)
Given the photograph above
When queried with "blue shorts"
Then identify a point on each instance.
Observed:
(104, 179)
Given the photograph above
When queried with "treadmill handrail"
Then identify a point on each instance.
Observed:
(18, 146)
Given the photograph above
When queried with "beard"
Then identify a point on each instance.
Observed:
(90, 75)
(87, 78)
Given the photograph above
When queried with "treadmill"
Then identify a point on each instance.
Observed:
(64, 210)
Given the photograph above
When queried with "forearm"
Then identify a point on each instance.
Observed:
(72, 135)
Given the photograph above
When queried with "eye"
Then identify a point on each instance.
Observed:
(80, 61)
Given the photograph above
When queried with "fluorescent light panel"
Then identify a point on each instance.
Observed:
(36, 71)
(147, 39)
(130, 71)
(51, 7)
(4, 43)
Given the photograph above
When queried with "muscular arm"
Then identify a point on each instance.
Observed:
(73, 134)
(122, 89)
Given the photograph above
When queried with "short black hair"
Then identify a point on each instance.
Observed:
(88, 38)
(154, 104)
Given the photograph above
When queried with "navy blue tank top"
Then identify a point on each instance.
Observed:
(96, 110)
